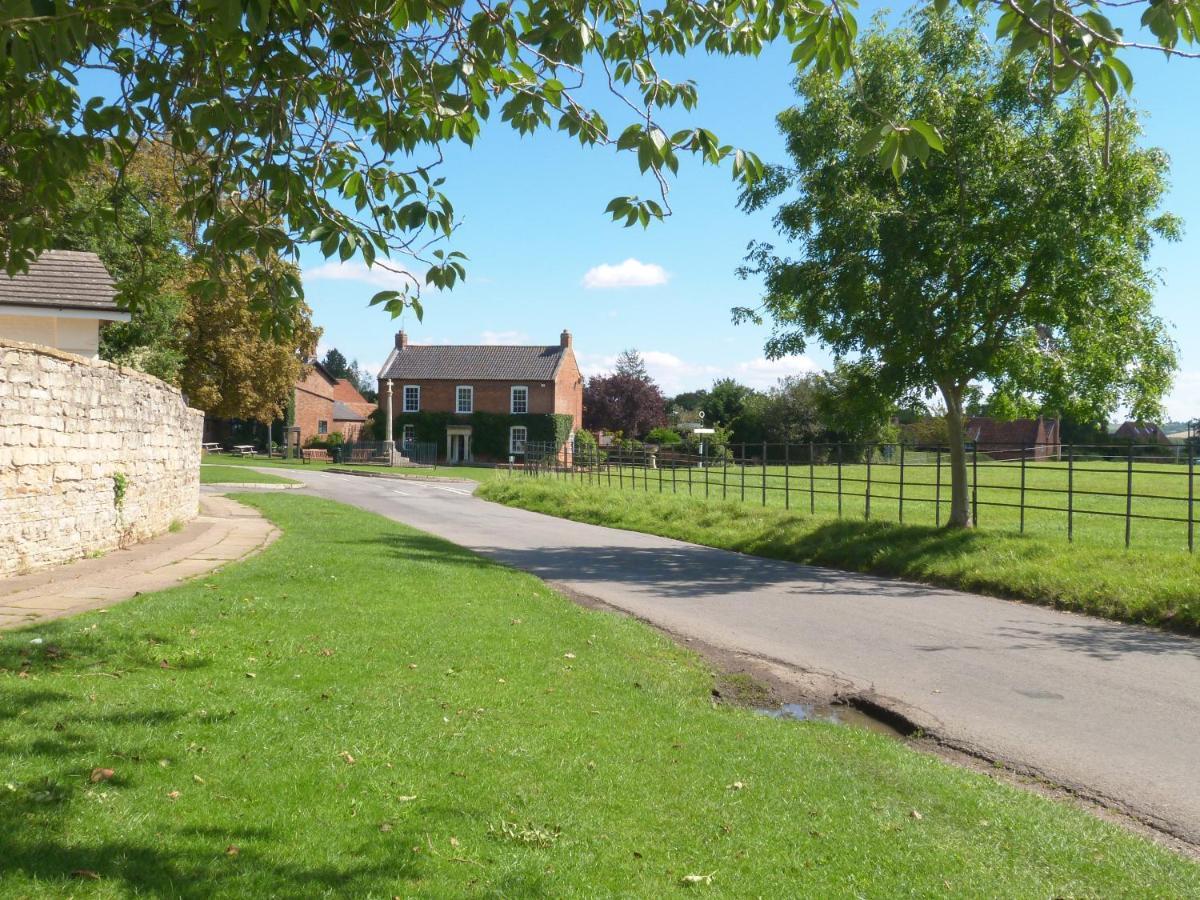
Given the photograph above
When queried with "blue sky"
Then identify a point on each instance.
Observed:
(534, 228)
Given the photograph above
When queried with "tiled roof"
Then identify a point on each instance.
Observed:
(345, 391)
(67, 279)
(343, 413)
(474, 362)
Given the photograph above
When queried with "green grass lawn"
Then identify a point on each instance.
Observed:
(1098, 489)
(363, 710)
(1157, 584)
(221, 474)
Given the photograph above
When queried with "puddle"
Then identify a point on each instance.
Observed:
(838, 715)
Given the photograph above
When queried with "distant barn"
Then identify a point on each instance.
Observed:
(1038, 438)
(1144, 433)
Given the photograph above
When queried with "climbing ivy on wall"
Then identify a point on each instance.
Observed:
(489, 431)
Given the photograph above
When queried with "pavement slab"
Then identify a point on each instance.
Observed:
(224, 532)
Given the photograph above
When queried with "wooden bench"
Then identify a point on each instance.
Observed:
(318, 454)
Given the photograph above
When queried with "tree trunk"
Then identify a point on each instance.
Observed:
(960, 499)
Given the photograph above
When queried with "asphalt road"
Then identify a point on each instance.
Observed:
(1107, 708)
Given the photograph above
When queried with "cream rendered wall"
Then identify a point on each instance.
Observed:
(80, 336)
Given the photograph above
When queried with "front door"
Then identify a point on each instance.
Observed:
(459, 449)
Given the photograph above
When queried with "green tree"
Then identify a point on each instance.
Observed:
(631, 365)
(321, 122)
(725, 402)
(1017, 257)
(335, 363)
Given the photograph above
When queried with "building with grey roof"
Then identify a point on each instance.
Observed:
(61, 302)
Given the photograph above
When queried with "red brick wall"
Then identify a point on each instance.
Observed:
(314, 401)
(437, 395)
(568, 390)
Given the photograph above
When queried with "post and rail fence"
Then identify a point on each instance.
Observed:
(1047, 488)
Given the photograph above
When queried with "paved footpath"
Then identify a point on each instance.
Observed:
(225, 531)
(1108, 709)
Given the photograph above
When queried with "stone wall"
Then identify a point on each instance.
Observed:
(92, 457)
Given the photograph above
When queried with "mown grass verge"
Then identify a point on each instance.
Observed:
(364, 710)
(1147, 585)
(466, 473)
(222, 474)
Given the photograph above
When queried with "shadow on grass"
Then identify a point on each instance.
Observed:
(150, 868)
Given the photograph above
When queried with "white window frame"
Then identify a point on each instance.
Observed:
(512, 439)
(458, 410)
(408, 435)
(512, 399)
(404, 398)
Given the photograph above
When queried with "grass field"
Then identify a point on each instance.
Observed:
(363, 710)
(222, 474)
(1098, 493)
(1156, 584)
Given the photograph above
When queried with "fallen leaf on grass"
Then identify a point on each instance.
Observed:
(916, 815)
(346, 757)
(453, 842)
(737, 786)
(197, 779)
(164, 665)
(174, 795)
(251, 675)
(407, 799)
(385, 827)
(85, 873)
(99, 774)
(326, 651)
(232, 850)
(691, 880)
(568, 656)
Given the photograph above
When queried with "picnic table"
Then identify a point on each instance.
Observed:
(243, 449)
(210, 447)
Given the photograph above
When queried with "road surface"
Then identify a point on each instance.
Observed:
(1109, 709)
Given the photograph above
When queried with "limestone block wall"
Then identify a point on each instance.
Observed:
(93, 456)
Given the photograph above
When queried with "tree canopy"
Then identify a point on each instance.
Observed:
(1018, 257)
(324, 122)
(625, 403)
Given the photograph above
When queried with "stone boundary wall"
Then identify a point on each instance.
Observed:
(93, 456)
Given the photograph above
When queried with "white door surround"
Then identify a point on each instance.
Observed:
(458, 444)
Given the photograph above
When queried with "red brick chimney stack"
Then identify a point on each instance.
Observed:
(565, 339)
(401, 340)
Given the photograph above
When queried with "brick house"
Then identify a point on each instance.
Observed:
(482, 402)
(1038, 438)
(324, 405)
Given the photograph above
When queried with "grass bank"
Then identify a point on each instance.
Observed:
(1156, 585)
(364, 710)
(222, 474)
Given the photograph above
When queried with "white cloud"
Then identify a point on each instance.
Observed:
(356, 270)
(505, 338)
(764, 373)
(631, 273)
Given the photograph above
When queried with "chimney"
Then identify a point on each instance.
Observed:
(401, 340)
(565, 339)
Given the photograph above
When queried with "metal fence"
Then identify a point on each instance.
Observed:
(1043, 487)
(377, 453)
